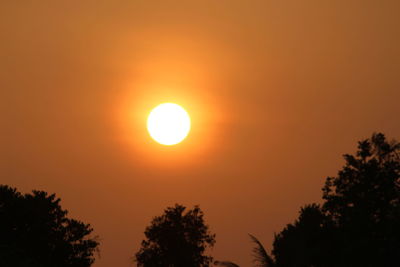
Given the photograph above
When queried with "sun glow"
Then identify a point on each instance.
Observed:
(168, 124)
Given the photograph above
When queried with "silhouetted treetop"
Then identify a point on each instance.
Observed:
(176, 238)
(368, 185)
(358, 222)
(303, 242)
(363, 202)
(261, 257)
(35, 231)
(225, 264)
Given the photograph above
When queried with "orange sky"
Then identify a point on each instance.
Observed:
(277, 90)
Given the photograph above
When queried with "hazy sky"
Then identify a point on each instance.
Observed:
(277, 91)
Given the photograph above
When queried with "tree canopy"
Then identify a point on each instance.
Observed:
(176, 238)
(36, 232)
(358, 221)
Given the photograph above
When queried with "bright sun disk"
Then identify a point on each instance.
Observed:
(168, 124)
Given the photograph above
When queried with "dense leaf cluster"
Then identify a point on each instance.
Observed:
(36, 232)
(177, 239)
(358, 223)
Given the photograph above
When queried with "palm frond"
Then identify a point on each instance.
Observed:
(261, 257)
(225, 264)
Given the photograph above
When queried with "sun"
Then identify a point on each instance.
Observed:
(168, 124)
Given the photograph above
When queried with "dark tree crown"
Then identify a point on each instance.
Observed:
(176, 239)
(35, 231)
(358, 222)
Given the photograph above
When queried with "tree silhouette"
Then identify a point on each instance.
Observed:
(363, 202)
(176, 239)
(261, 257)
(35, 231)
(225, 264)
(303, 243)
(358, 222)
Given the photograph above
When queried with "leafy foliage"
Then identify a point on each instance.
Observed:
(225, 264)
(261, 257)
(358, 223)
(176, 239)
(35, 231)
(303, 243)
(363, 202)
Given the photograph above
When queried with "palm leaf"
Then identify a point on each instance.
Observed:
(226, 264)
(261, 257)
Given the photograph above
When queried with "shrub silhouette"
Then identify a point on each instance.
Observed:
(36, 232)
(176, 238)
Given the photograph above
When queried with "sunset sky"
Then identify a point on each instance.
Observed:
(277, 91)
